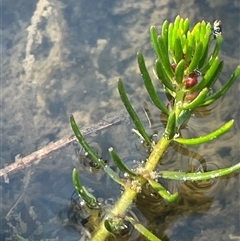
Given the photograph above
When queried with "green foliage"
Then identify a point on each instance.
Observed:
(141, 229)
(202, 139)
(182, 55)
(86, 196)
(149, 86)
(132, 112)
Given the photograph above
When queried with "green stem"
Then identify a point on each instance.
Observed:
(129, 194)
(156, 154)
(118, 210)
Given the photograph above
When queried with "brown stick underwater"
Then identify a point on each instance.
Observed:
(21, 163)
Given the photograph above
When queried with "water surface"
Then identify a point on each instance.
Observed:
(65, 57)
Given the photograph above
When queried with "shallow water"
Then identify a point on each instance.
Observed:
(37, 201)
(66, 57)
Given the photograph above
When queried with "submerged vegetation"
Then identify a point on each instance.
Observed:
(187, 67)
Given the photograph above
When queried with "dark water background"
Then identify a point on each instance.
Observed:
(65, 57)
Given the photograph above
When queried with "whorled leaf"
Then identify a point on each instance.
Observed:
(224, 89)
(202, 139)
(163, 192)
(148, 84)
(197, 101)
(89, 199)
(132, 112)
(209, 77)
(119, 163)
(84, 143)
(141, 229)
(195, 59)
(199, 176)
(170, 130)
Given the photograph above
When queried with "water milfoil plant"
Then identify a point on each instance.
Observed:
(187, 66)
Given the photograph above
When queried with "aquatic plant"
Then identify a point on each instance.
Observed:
(187, 70)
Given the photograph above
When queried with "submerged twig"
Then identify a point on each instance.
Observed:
(21, 163)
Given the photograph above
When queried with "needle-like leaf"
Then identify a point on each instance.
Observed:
(154, 38)
(197, 101)
(164, 57)
(202, 139)
(163, 192)
(179, 72)
(199, 176)
(170, 130)
(141, 229)
(90, 200)
(195, 59)
(178, 53)
(148, 84)
(165, 33)
(132, 112)
(224, 89)
(210, 76)
(163, 76)
(84, 144)
(119, 163)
